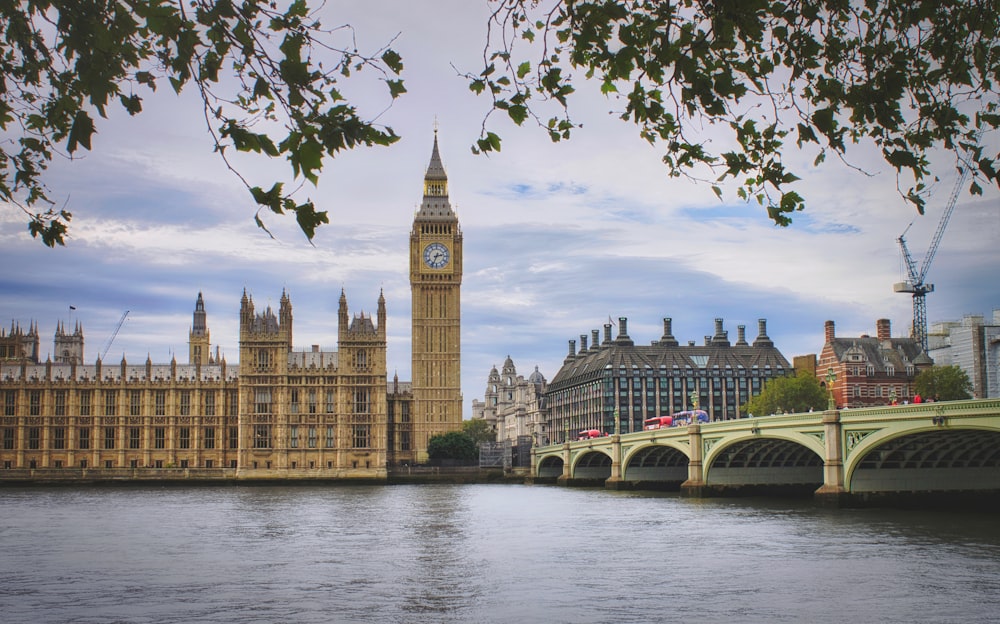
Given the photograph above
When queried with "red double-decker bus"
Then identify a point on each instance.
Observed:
(660, 422)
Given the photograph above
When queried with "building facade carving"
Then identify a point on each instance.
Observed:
(515, 406)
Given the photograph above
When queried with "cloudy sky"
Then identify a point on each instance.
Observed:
(558, 237)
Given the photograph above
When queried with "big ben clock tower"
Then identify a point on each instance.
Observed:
(435, 285)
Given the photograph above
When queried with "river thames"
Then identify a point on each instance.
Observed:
(481, 554)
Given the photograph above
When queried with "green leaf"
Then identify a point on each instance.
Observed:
(393, 61)
(80, 133)
(518, 114)
(309, 219)
(489, 143)
(396, 88)
(132, 104)
(901, 158)
(271, 198)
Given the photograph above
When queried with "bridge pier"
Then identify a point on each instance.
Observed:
(566, 473)
(832, 493)
(614, 482)
(694, 487)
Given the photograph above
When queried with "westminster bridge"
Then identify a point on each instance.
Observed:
(839, 455)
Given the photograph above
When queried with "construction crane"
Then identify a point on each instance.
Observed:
(915, 278)
(114, 334)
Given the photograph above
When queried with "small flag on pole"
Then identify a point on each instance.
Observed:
(72, 307)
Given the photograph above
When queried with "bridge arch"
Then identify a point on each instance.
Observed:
(591, 464)
(928, 459)
(766, 461)
(550, 466)
(665, 464)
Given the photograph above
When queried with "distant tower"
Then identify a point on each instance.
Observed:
(435, 286)
(18, 346)
(199, 348)
(68, 347)
(509, 381)
(493, 388)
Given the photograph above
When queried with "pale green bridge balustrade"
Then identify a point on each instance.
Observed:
(839, 455)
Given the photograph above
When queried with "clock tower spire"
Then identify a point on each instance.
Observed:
(435, 286)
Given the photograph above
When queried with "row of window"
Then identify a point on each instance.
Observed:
(133, 463)
(109, 437)
(109, 464)
(264, 401)
(361, 437)
(667, 387)
(869, 370)
(108, 400)
(263, 438)
(880, 391)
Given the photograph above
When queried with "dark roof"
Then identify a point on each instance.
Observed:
(361, 325)
(897, 352)
(591, 363)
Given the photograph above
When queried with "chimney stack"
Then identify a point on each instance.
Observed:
(828, 332)
(668, 336)
(721, 337)
(762, 339)
(883, 329)
(741, 335)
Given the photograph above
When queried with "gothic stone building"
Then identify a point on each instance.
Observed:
(278, 413)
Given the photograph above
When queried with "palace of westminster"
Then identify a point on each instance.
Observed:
(282, 413)
(279, 412)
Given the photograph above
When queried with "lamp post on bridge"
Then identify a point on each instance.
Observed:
(831, 377)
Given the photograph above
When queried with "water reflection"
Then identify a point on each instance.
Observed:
(495, 553)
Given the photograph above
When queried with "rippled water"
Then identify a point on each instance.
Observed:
(481, 553)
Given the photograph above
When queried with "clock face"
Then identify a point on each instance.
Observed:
(436, 255)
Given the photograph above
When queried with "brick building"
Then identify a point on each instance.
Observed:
(870, 370)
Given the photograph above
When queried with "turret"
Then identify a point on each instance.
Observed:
(246, 311)
(68, 347)
(199, 342)
(285, 315)
(342, 319)
(381, 315)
